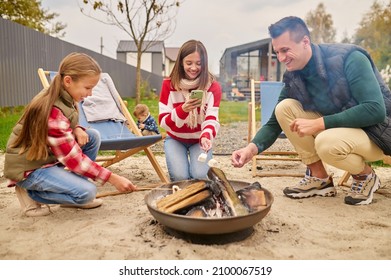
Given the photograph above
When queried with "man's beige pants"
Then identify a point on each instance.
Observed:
(344, 148)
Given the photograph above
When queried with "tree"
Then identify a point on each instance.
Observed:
(145, 21)
(346, 39)
(374, 33)
(29, 13)
(320, 25)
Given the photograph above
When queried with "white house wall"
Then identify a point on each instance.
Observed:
(169, 65)
(146, 60)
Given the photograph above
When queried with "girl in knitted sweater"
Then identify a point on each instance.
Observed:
(191, 124)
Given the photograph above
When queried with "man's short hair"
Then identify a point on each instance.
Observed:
(295, 25)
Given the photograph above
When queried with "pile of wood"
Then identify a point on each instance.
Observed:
(215, 196)
(184, 198)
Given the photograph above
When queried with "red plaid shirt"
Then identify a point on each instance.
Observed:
(65, 148)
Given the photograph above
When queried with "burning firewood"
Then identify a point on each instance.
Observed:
(230, 197)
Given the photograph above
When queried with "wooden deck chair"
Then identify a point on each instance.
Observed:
(268, 100)
(119, 132)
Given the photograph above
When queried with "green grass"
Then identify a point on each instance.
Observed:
(8, 118)
(230, 111)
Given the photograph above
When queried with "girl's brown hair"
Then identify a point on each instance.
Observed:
(178, 72)
(34, 133)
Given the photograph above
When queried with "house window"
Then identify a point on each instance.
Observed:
(249, 66)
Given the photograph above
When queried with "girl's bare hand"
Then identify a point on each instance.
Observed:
(121, 183)
(191, 104)
(81, 136)
(206, 144)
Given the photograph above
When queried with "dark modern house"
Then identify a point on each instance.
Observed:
(255, 60)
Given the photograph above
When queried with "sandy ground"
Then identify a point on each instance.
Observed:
(123, 228)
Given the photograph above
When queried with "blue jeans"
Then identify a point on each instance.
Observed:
(182, 160)
(55, 185)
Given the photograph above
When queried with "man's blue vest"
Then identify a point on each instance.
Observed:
(329, 61)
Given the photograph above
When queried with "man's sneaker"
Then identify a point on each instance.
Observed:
(362, 189)
(311, 186)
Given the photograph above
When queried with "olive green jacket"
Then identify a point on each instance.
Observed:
(16, 165)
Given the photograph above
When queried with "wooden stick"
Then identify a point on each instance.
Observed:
(278, 175)
(145, 188)
(110, 194)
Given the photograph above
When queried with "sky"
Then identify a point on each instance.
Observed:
(218, 24)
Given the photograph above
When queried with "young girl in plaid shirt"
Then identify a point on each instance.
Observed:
(49, 158)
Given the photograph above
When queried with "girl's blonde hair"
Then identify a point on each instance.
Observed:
(34, 133)
(178, 71)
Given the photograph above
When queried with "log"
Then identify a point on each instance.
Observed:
(187, 202)
(182, 195)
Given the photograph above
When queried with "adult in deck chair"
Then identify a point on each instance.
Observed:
(106, 112)
(49, 158)
(335, 108)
